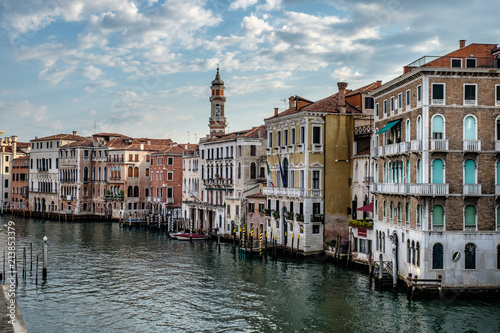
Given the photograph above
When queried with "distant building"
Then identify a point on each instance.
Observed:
(10, 149)
(255, 214)
(44, 171)
(436, 148)
(191, 184)
(20, 172)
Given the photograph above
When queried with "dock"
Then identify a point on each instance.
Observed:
(11, 319)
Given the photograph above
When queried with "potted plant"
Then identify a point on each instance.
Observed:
(276, 214)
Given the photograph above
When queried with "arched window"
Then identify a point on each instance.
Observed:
(413, 255)
(239, 170)
(408, 213)
(355, 173)
(136, 191)
(377, 241)
(408, 171)
(129, 192)
(391, 212)
(400, 208)
(376, 173)
(105, 174)
(419, 216)
(376, 208)
(470, 256)
(437, 171)
(497, 127)
(437, 218)
(408, 251)
(418, 254)
(470, 172)
(470, 218)
(419, 171)
(419, 128)
(498, 218)
(385, 172)
(408, 130)
(85, 174)
(253, 171)
(498, 173)
(470, 131)
(130, 171)
(285, 172)
(385, 209)
(437, 256)
(498, 256)
(136, 172)
(437, 127)
(93, 174)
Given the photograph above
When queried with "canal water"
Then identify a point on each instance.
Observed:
(102, 278)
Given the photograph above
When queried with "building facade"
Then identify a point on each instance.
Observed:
(20, 172)
(437, 205)
(10, 149)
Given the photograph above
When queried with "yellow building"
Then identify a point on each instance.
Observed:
(309, 152)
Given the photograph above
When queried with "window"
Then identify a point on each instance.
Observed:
(437, 171)
(253, 171)
(419, 128)
(419, 171)
(315, 229)
(170, 175)
(170, 160)
(251, 207)
(470, 63)
(170, 192)
(498, 256)
(392, 105)
(497, 95)
(369, 101)
(419, 95)
(292, 136)
(470, 218)
(470, 132)
(301, 179)
(470, 97)
(278, 139)
(376, 110)
(400, 102)
(437, 256)
(408, 252)
(408, 130)
(239, 171)
(408, 99)
(253, 150)
(239, 150)
(437, 218)
(285, 137)
(456, 62)
(384, 107)
(316, 135)
(418, 254)
(315, 179)
(437, 127)
(498, 218)
(470, 256)
(385, 209)
(407, 210)
(291, 180)
(470, 172)
(438, 97)
(419, 215)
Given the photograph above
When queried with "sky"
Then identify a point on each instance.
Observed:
(144, 68)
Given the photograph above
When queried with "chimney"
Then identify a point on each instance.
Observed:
(462, 43)
(14, 145)
(259, 133)
(74, 132)
(341, 98)
(379, 83)
(291, 102)
(276, 111)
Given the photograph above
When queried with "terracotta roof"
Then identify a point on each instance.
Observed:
(171, 150)
(26, 157)
(251, 133)
(329, 105)
(87, 142)
(59, 137)
(259, 195)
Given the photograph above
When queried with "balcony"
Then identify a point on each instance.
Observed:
(429, 189)
(116, 197)
(294, 192)
(416, 145)
(497, 189)
(300, 147)
(472, 189)
(439, 145)
(316, 193)
(472, 145)
(170, 200)
(317, 148)
(436, 101)
(470, 102)
(404, 147)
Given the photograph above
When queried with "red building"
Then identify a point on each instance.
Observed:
(20, 172)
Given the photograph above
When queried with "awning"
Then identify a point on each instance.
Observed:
(367, 208)
(388, 126)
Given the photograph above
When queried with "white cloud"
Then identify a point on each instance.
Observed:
(242, 4)
(24, 109)
(91, 72)
(270, 5)
(55, 76)
(346, 74)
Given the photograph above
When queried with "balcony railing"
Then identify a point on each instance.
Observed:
(416, 145)
(437, 227)
(404, 147)
(436, 101)
(439, 145)
(470, 101)
(170, 200)
(497, 189)
(472, 145)
(114, 197)
(317, 148)
(472, 189)
(497, 145)
(427, 189)
(316, 193)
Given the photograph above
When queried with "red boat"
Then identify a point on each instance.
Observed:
(186, 237)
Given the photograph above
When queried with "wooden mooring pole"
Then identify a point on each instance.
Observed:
(24, 263)
(31, 257)
(36, 272)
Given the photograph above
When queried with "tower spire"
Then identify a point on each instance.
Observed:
(217, 120)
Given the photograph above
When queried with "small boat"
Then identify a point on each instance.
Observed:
(184, 237)
(175, 234)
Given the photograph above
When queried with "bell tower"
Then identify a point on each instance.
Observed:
(217, 120)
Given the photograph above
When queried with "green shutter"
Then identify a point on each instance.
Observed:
(437, 124)
(470, 172)
(437, 172)
(470, 128)
(498, 173)
(437, 215)
(470, 215)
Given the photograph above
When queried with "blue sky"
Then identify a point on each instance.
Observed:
(143, 68)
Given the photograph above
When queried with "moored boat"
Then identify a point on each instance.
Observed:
(184, 237)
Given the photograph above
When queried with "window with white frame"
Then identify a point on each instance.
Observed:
(419, 95)
(400, 102)
(302, 135)
(408, 99)
(269, 140)
(392, 105)
(497, 95)
(384, 107)
(408, 130)
(437, 218)
(470, 94)
(316, 135)
(376, 110)
(438, 95)
(170, 175)
(285, 137)
(456, 62)
(292, 136)
(315, 179)
(470, 218)
(437, 127)
(471, 63)
(278, 138)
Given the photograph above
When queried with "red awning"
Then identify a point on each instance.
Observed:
(367, 208)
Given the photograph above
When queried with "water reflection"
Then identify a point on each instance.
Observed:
(102, 278)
